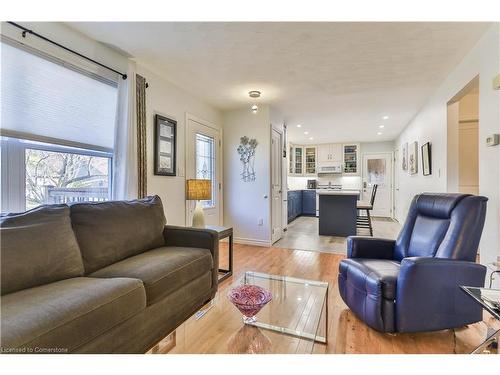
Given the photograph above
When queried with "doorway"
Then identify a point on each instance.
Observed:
(463, 140)
(276, 185)
(203, 161)
(377, 169)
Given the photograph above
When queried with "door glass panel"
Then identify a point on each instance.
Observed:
(205, 163)
(376, 171)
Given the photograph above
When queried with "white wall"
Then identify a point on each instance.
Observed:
(430, 125)
(164, 98)
(245, 203)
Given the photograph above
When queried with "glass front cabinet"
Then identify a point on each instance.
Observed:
(310, 160)
(351, 159)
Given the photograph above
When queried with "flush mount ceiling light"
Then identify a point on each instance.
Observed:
(306, 133)
(299, 126)
(379, 133)
(385, 117)
(311, 138)
(254, 94)
(381, 126)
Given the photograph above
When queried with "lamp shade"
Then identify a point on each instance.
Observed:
(198, 190)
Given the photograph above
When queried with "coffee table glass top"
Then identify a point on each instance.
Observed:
(489, 299)
(294, 321)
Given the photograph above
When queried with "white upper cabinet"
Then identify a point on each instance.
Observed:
(328, 153)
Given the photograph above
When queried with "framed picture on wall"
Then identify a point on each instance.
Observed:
(413, 158)
(404, 156)
(426, 159)
(165, 150)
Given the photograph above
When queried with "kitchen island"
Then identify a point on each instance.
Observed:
(337, 212)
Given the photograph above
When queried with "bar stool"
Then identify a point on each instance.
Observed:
(365, 222)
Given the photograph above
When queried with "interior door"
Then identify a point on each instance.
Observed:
(276, 186)
(203, 162)
(377, 169)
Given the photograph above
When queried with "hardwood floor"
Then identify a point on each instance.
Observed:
(302, 234)
(346, 333)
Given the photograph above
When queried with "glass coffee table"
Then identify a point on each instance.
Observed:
(294, 321)
(489, 299)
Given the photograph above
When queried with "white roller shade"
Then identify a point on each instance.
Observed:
(45, 99)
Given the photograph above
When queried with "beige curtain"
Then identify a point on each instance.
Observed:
(140, 84)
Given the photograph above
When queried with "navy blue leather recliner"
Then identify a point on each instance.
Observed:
(412, 284)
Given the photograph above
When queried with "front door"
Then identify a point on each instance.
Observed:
(203, 162)
(276, 186)
(377, 169)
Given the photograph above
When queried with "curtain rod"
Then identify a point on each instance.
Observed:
(28, 31)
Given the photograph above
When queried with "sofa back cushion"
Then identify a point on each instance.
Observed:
(108, 232)
(38, 247)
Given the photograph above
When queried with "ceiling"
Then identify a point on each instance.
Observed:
(337, 80)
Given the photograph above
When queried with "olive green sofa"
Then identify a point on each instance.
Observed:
(107, 277)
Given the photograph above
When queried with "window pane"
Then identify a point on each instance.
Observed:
(61, 177)
(205, 162)
(43, 98)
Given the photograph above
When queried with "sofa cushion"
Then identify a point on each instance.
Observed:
(162, 270)
(68, 313)
(108, 232)
(38, 247)
(373, 276)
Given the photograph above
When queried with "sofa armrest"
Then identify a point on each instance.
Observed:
(369, 247)
(428, 294)
(195, 237)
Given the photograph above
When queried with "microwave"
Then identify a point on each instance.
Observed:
(330, 168)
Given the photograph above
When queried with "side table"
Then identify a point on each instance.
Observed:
(225, 232)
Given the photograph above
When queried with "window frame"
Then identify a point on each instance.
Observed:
(13, 168)
(14, 144)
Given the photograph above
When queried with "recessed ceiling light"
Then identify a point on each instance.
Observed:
(385, 117)
(379, 133)
(299, 126)
(306, 133)
(311, 138)
(381, 126)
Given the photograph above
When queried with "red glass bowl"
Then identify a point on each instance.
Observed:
(249, 300)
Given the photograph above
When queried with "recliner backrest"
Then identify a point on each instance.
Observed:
(442, 226)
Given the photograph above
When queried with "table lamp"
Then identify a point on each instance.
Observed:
(198, 190)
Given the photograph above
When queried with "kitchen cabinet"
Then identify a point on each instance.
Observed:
(309, 202)
(310, 160)
(328, 153)
(294, 204)
(296, 161)
(351, 160)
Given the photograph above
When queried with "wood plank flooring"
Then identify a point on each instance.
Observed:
(346, 333)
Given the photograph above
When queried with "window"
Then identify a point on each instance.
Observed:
(205, 163)
(58, 126)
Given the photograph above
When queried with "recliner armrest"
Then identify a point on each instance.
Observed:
(428, 294)
(369, 247)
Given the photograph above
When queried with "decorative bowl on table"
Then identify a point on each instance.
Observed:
(249, 299)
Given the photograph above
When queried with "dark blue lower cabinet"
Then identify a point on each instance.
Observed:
(294, 204)
(309, 202)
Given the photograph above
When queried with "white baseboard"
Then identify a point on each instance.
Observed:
(252, 241)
